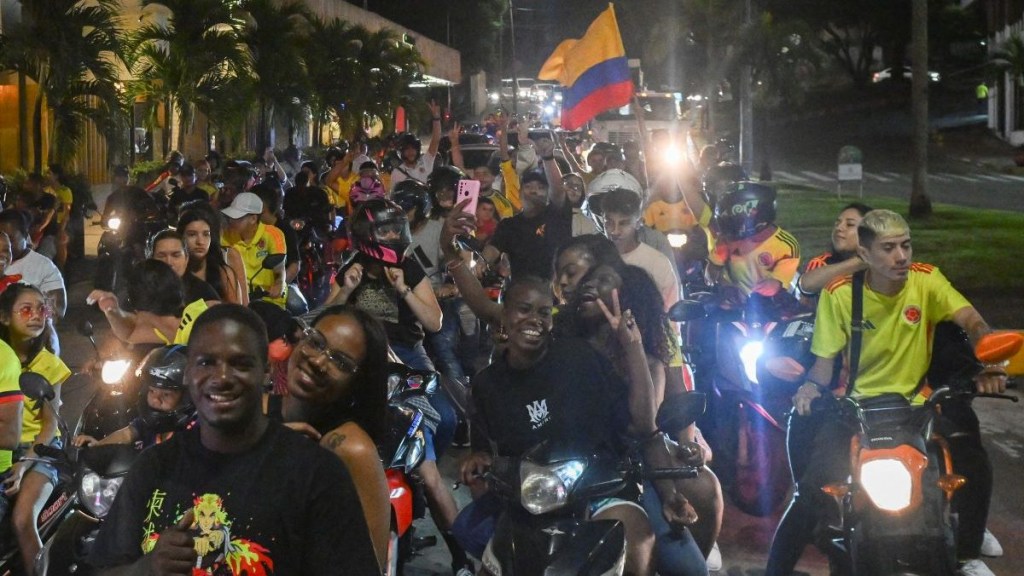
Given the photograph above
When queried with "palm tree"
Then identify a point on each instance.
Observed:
(274, 38)
(332, 50)
(187, 57)
(391, 66)
(72, 50)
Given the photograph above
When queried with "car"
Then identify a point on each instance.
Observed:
(883, 75)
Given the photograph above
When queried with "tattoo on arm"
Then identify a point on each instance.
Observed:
(333, 440)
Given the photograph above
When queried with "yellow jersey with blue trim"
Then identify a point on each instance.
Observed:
(897, 337)
(772, 253)
(10, 391)
(267, 240)
(49, 366)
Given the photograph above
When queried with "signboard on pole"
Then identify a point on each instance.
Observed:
(850, 169)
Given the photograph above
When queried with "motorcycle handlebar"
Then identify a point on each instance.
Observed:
(671, 473)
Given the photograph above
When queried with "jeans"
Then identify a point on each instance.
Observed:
(675, 553)
(415, 356)
(445, 342)
(475, 524)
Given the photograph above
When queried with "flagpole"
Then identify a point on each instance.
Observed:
(515, 77)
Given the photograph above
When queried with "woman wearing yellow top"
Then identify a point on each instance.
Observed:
(23, 314)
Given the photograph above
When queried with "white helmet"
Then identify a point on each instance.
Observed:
(606, 182)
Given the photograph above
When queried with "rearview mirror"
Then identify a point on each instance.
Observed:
(85, 329)
(686, 311)
(272, 261)
(35, 387)
(998, 347)
(679, 411)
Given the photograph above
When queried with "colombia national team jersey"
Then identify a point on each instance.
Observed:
(896, 348)
(769, 254)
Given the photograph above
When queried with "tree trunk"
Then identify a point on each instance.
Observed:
(22, 122)
(37, 133)
(166, 136)
(920, 203)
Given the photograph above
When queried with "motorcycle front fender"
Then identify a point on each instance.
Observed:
(524, 545)
(401, 500)
(66, 551)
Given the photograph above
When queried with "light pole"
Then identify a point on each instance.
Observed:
(515, 79)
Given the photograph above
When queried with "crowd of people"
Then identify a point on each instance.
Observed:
(578, 347)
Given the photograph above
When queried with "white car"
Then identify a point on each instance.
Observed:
(883, 75)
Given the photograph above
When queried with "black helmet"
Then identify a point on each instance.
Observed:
(608, 150)
(333, 154)
(744, 210)
(370, 224)
(409, 140)
(411, 194)
(444, 177)
(164, 368)
(717, 179)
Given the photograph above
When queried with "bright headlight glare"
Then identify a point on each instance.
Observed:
(546, 488)
(672, 154)
(887, 482)
(97, 493)
(114, 223)
(113, 371)
(676, 240)
(749, 354)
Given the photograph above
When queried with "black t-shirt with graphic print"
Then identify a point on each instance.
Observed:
(378, 297)
(572, 395)
(531, 242)
(285, 506)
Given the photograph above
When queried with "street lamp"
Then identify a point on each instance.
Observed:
(515, 78)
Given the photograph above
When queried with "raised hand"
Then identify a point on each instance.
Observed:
(175, 553)
(622, 322)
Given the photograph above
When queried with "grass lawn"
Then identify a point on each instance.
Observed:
(978, 250)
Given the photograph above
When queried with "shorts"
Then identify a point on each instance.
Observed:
(45, 468)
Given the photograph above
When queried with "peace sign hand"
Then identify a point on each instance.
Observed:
(622, 322)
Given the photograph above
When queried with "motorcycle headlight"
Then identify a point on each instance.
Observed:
(676, 240)
(546, 488)
(749, 354)
(97, 493)
(888, 483)
(113, 371)
(114, 223)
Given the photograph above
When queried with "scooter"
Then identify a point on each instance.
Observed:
(315, 270)
(295, 301)
(123, 243)
(112, 405)
(895, 513)
(58, 507)
(545, 526)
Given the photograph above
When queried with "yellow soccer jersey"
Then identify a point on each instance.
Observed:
(268, 240)
(10, 370)
(667, 217)
(56, 372)
(896, 347)
(769, 254)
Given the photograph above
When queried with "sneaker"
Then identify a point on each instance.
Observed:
(975, 568)
(990, 546)
(714, 560)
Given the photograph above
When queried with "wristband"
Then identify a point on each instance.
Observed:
(453, 264)
(546, 158)
(821, 389)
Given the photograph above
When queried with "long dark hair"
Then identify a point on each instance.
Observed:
(7, 299)
(214, 260)
(368, 404)
(154, 287)
(638, 294)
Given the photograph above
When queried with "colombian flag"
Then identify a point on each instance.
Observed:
(593, 71)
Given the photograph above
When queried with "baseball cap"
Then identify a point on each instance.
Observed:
(244, 204)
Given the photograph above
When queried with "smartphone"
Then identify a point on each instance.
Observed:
(468, 189)
(513, 139)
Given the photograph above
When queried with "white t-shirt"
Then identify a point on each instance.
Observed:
(424, 166)
(37, 270)
(661, 270)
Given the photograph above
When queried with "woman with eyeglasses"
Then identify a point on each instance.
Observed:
(24, 311)
(337, 383)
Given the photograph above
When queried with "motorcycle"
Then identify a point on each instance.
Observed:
(750, 369)
(295, 301)
(125, 232)
(401, 453)
(60, 503)
(895, 513)
(315, 269)
(545, 526)
(112, 405)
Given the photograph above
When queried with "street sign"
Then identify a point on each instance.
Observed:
(850, 169)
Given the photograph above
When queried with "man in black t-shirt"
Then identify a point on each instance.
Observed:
(531, 237)
(240, 494)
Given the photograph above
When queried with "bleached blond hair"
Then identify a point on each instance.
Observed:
(881, 224)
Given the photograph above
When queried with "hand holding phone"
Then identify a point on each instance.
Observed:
(468, 189)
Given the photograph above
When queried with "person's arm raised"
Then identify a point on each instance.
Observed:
(473, 293)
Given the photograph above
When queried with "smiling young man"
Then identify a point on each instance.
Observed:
(238, 494)
(903, 301)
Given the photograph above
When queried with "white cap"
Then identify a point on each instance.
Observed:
(244, 204)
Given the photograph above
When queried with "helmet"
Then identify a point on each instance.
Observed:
(718, 178)
(608, 150)
(411, 194)
(373, 225)
(744, 210)
(605, 182)
(164, 368)
(407, 140)
(332, 155)
(443, 177)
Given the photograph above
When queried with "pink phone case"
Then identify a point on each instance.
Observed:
(468, 189)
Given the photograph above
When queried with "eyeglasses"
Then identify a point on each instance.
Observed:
(27, 311)
(318, 342)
